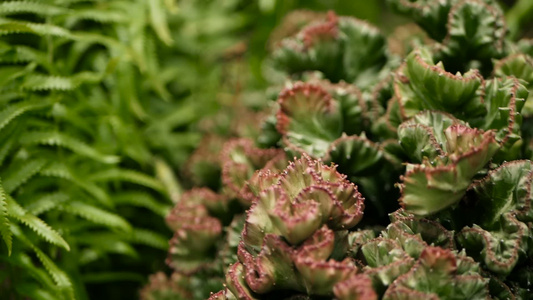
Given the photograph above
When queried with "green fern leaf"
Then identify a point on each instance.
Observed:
(41, 82)
(9, 73)
(19, 173)
(23, 54)
(46, 203)
(128, 176)
(14, 27)
(14, 110)
(57, 274)
(150, 238)
(108, 242)
(17, 7)
(24, 261)
(18, 213)
(97, 15)
(166, 175)
(5, 147)
(61, 279)
(97, 215)
(53, 138)
(60, 170)
(144, 200)
(5, 230)
(34, 292)
(158, 19)
(8, 27)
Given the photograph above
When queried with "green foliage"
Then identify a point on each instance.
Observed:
(84, 94)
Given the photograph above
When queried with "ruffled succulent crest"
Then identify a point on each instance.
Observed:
(314, 123)
(203, 166)
(293, 230)
(357, 287)
(470, 33)
(451, 114)
(501, 234)
(406, 246)
(437, 274)
(449, 161)
(422, 85)
(240, 161)
(334, 47)
(161, 287)
(307, 195)
(196, 229)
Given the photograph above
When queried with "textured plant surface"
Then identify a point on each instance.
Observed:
(350, 162)
(387, 168)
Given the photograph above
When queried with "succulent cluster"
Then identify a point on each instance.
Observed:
(376, 176)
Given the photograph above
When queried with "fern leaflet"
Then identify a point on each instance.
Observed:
(97, 215)
(12, 111)
(150, 238)
(128, 176)
(17, 7)
(5, 230)
(53, 138)
(142, 200)
(46, 203)
(60, 278)
(19, 174)
(61, 171)
(18, 213)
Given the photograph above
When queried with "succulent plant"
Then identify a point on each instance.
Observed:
(341, 221)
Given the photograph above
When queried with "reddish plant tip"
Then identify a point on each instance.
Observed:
(300, 101)
(358, 287)
(438, 258)
(323, 31)
(241, 159)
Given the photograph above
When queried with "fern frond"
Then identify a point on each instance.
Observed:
(34, 292)
(54, 138)
(24, 261)
(5, 147)
(42, 229)
(38, 82)
(21, 54)
(60, 278)
(18, 174)
(47, 202)
(62, 171)
(9, 73)
(97, 215)
(128, 176)
(149, 238)
(166, 175)
(8, 26)
(12, 111)
(97, 15)
(5, 225)
(158, 19)
(141, 199)
(41, 82)
(17, 7)
(9, 95)
(108, 242)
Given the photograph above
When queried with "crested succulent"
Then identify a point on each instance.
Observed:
(409, 176)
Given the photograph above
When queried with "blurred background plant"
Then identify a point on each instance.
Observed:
(102, 103)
